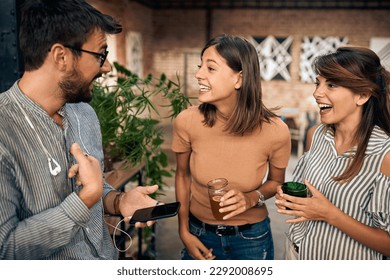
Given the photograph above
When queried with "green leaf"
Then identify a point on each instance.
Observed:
(127, 114)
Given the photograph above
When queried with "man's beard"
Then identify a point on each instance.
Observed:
(74, 89)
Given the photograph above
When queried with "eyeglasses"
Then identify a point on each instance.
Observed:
(102, 56)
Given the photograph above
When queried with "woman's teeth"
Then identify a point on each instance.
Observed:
(324, 106)
(203, 88)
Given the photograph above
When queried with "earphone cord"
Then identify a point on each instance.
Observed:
(116, 228)
(49, 156)
(79, 131)
(51, 159)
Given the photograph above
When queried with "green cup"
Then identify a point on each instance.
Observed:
(295, 189)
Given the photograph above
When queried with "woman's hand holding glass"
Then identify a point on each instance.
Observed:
(235, 202)
(314, 207)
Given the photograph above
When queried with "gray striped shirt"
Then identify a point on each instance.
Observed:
(366, 197)
(41, 216)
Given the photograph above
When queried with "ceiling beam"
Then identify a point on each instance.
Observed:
(265, 4)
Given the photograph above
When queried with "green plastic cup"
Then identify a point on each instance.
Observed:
(295, 189)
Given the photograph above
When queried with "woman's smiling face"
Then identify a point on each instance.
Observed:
(337, 104)
(217, 81)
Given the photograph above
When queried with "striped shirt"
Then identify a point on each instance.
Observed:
(41, 215)
(365, 198)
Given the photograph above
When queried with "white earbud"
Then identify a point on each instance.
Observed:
(57, 169)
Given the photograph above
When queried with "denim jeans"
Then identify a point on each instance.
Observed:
(252, 244)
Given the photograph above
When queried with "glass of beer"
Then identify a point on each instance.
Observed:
(217, 188)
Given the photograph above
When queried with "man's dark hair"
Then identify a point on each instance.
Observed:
(68, 22)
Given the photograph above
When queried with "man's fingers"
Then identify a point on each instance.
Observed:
(73, 170)
(77, 152)
(150, 189)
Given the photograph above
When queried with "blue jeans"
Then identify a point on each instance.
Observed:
(252, 244)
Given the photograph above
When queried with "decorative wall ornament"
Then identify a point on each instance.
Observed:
(134, 61)
(312, 47)
(274, 57)
(381, 46)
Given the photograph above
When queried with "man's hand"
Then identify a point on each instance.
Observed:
(88, 174)
(135, 199)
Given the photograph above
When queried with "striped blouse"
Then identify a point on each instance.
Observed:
(41, 216)
(366, 197)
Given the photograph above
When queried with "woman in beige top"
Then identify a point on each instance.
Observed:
(234, 136)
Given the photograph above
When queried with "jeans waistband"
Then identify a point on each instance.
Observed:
(221, 230)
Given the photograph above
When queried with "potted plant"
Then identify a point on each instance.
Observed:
(130, 121)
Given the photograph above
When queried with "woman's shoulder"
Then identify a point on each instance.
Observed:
(277, 124)
(385, 167)
(187, 116)
(190, 111)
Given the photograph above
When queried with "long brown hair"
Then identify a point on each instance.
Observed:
(359, 69)
(249, 112)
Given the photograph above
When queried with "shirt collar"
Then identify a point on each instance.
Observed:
(375, 143)
(30, 104)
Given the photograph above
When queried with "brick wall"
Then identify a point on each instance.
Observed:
(177, 32)
(172, 39)
(169, 34)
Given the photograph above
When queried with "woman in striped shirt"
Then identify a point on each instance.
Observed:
(347, 168)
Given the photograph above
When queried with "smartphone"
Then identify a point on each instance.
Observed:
(156, 212)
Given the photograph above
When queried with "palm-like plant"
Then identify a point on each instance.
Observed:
(130, 119)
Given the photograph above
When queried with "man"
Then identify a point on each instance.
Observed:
(52, 192)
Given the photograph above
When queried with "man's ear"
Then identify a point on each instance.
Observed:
(238, 84)
(60, 56)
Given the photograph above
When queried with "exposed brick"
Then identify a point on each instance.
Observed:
(171, 36)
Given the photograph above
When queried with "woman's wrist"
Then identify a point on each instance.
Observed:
(260, 201)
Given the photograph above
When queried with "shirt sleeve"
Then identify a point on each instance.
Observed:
(301, 167)
(281, 145)
(379, 206)
(41, 234)
(180, 135)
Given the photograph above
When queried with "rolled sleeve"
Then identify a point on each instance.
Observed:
(379, 206)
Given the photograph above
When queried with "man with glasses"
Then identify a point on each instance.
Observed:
(52, 192)
(100, 56)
